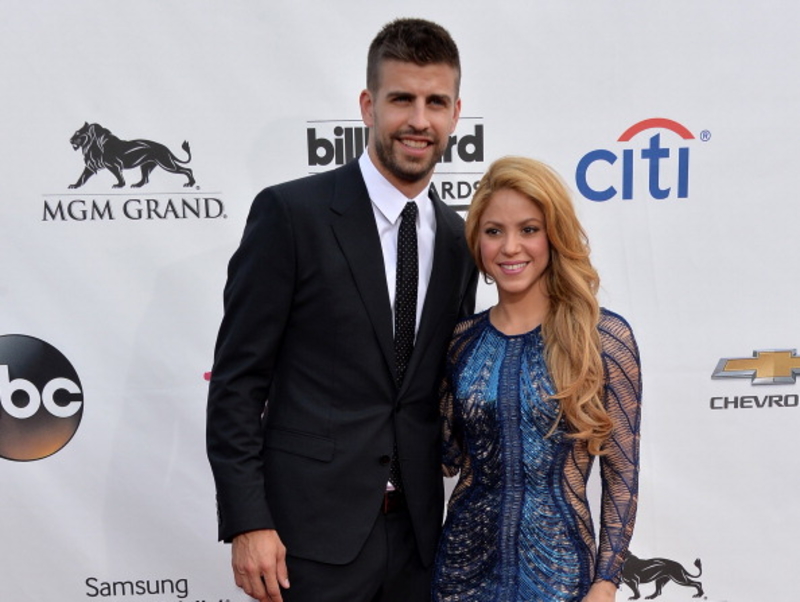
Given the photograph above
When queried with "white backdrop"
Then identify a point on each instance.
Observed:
(132, 299)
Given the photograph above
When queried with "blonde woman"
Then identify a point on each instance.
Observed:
(537, 387)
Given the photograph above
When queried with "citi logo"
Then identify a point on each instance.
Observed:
(331, 143)
(663, 167)
(41, 399)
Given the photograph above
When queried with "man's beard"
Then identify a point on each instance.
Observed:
(407, 171)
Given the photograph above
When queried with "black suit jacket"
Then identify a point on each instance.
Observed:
(303, 409)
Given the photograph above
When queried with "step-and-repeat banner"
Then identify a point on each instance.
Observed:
(674, 122)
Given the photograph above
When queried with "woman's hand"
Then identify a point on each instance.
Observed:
(602, 591)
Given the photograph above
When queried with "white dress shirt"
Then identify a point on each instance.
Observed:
(387, 204)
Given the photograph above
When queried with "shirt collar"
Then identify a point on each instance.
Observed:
(388, 199)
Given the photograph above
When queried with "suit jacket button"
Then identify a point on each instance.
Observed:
(384, 460)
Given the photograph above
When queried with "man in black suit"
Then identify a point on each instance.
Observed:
(329, 356)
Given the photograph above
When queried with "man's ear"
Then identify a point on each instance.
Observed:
(365, 101)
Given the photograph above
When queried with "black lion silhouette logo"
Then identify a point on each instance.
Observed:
(101, 149)
(661, 571)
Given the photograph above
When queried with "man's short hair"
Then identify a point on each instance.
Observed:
(412, 41)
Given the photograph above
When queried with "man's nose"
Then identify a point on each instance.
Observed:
(419, 116)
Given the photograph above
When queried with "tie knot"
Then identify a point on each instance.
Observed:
(410, 211)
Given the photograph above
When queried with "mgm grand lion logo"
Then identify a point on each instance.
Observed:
(102, 149)
(659, 571)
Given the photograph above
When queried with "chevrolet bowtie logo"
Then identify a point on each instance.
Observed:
(779, 367)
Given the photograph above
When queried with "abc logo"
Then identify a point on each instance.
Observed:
(41, 399)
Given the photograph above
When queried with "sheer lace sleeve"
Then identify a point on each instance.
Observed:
(452, 442)
(620, 465)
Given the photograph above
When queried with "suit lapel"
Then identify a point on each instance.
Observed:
(354, 227)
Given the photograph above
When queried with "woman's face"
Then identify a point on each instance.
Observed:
(514, 247)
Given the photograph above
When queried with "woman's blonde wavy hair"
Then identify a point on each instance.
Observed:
(572, 342)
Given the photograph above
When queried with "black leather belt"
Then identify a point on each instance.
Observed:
(393, 501)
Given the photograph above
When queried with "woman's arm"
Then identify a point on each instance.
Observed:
(620, 464)
(601, 591)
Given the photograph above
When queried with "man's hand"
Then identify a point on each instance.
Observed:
(259, 564)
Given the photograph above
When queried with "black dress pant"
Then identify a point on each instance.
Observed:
(387, 569)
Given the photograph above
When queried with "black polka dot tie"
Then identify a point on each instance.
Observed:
(405, 307)
(405, 301)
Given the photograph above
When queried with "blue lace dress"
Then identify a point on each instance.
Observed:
(518, 526)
